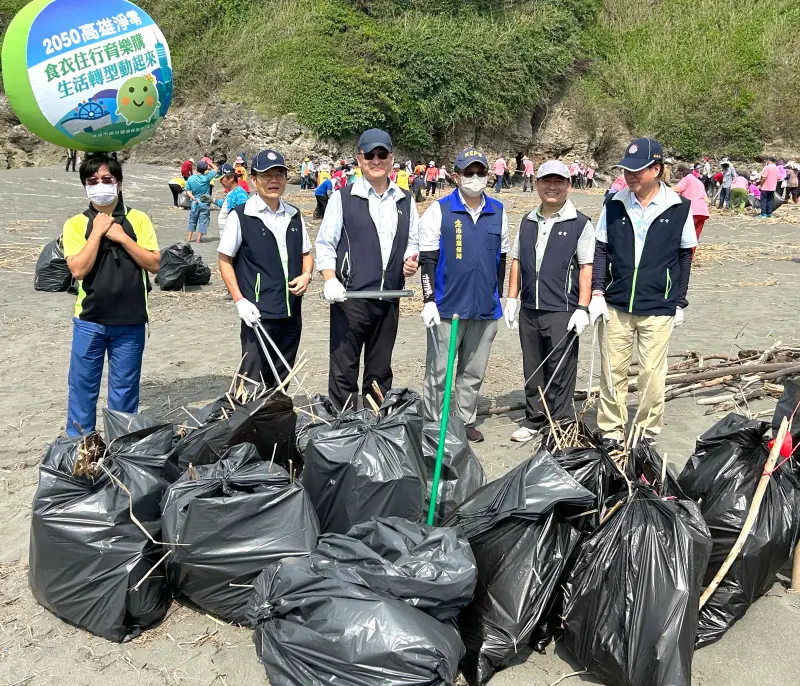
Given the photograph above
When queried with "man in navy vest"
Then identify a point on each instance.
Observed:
(643, 259)
(367, 242)
(265, 261)
(551, 278)
(463, 246)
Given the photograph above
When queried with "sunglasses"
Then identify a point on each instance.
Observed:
(382, 155)
(482, 173)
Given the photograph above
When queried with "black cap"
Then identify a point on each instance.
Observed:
(267, 159)
(641, 153)
(374, 138)
(470, 156)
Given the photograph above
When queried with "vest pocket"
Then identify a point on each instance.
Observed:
(258, 286)
(668, 286)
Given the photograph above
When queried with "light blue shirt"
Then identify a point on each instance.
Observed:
(642, 218)
(200, 184)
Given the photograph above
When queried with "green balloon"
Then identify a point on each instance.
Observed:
(69, 67)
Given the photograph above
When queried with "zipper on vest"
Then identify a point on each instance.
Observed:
(611, 274)
(633, 288)
(569, 283)
(669, 285)
(288, 308)
(383, 275)
(258, 285)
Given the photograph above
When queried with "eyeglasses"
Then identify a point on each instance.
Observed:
(382, 155)
(482, 173)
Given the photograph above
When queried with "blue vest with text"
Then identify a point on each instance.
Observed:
(469, 255)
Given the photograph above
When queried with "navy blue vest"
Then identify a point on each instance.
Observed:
(557, 282)
(650, 289)
(358, 255)
(258, 266)
(469, 255)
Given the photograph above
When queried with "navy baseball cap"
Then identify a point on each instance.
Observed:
(202, 166)
(470, 156)
(226, 169)
(267, 159)
(641, 153)
(374, 138)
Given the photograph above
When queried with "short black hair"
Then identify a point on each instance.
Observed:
(92, 163)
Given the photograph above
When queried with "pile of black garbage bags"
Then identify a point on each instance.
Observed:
(181, 266)
(307, 525)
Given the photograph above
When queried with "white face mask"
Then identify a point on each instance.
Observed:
(102, 194)
(473, 186)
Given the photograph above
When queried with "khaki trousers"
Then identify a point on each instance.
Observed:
(652, 342)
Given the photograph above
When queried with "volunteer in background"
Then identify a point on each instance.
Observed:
(442, 177)
(322, 194)
(574, 172)
(694, 191)
(500, 168)
(198, 188)
(728, 175)
(393, 173)
(463, 245)
(769, 182)
(792, 181)
(431, 179)
(527, 174)
(304, 174)
(72, 159)
(324, 173)
(402, 179)
(368, 240)
(738, 196)
(590, 176)
(265, 261)
(177, 185)
(109, 248)
(642, 262)
(241, 167)
(187, 169)
(234, 194)
(551, 278)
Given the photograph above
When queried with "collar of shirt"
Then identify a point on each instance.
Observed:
(665, 198)
(566, 213)
(476, 212)
(363, 188)
(256, 206)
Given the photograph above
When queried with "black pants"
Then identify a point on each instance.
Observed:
(322, 203)
(539, 333)
(286, 334)
(766, 201)
(430, 188)
(72, 158)
(370, 325)
(176, 191)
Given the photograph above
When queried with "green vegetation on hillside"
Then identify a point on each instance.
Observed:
(702, 75)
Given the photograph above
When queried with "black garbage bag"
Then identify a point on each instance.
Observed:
(176, 264)
(722, 475)
(432, 569)
(319, 412)
(366, 466)
(88, 558)
(630, 608)
(788, 404)
(461, 475)
(269, 424)
(232, 519)
(645, 464)
(315, 631)
(52, 275)
(522, 542)
(199, 272)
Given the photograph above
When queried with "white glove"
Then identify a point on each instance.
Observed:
(430, 315)
(248, 312)
(333, 291)
(578, 321)
(679, 316)
(598, 308)
(510, 313)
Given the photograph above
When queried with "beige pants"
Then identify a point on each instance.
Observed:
(652, 341)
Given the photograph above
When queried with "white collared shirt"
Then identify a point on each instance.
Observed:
(585, 242)
(384, 213)
(643, 217)
(276, 222)
(430, 226)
